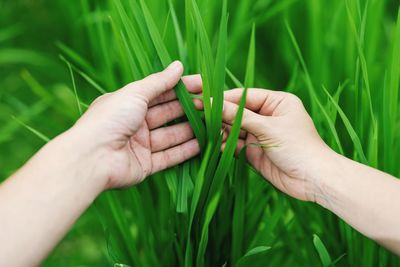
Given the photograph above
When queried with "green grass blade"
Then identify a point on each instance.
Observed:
(32, 130)
(311, 89)
(154, 33)
(10, 32)
(85, 76)
(322, 251)
(10, 56)
(234, 79)
(195, 200)
(220, 174)
(178, 33)
(36, 87)
(135, 42)
(238, 220)
(181, 92)
(184, 187)
(249, 77)
(74, 87)
(250, 258)
(363, 64)
(219, 74)
(257, 250)
(353, 135)
(206, 66)
(241, 174)
(74, 56)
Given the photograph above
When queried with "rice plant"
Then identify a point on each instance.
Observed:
(342, 58)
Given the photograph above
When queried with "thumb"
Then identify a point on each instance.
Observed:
(251, 121)
(157, 83)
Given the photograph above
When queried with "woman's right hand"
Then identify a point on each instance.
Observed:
(281, 140)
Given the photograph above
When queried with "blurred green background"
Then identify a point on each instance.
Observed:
(36, 89)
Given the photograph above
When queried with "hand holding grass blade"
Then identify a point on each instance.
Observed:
(138, 142)
(116, 143)
(290, 154)
(275, 122)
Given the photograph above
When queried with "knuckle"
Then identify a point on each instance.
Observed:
(156, 80)
(101, 98)
(294, 98)
(173, 108)
(166, 159)
(172, 135)
(131, 86)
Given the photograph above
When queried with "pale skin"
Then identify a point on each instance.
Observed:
(121, 140)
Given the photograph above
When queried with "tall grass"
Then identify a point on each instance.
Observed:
(341, 57)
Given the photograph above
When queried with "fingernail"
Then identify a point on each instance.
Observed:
(176, 65)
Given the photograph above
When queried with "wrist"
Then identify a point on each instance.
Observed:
(325, 176)
(80, 157)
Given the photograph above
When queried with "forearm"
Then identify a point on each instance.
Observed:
(40, 202)
(364, 197)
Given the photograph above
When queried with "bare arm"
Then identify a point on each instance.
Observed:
(40, 202)
(366, 198)
(118, 142)
(300, 164)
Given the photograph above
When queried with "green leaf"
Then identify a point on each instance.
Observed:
(184, 187)
(84, 76)
(178, 33)
(32, 130)
(181, 92)
(74, 56)
(249, 77)
(239, 212)
(234, 79)
(250, 258)
(78, 102)
(222, 169)
(206, 66)
(311, 89)
(257, 250)
(322, 251)
(353, 135)
(241, 174)
(219, 74)
(195, 199)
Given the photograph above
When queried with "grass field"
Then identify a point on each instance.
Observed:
(341, 57)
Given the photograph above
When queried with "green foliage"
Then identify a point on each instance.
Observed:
(342, 58)
(322, 251)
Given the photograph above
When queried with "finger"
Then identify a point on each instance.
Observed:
(262, 101)
(161, 114)
(165, 97)
(254, 153)
(240, 144)
(251, 122)
(224, 136)
(192, 83)
(227, 128)
(173, 156)
(155, 84)
(166, 137)
(164, 113)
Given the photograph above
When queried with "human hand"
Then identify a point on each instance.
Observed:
(281, 139)
(124, 129)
